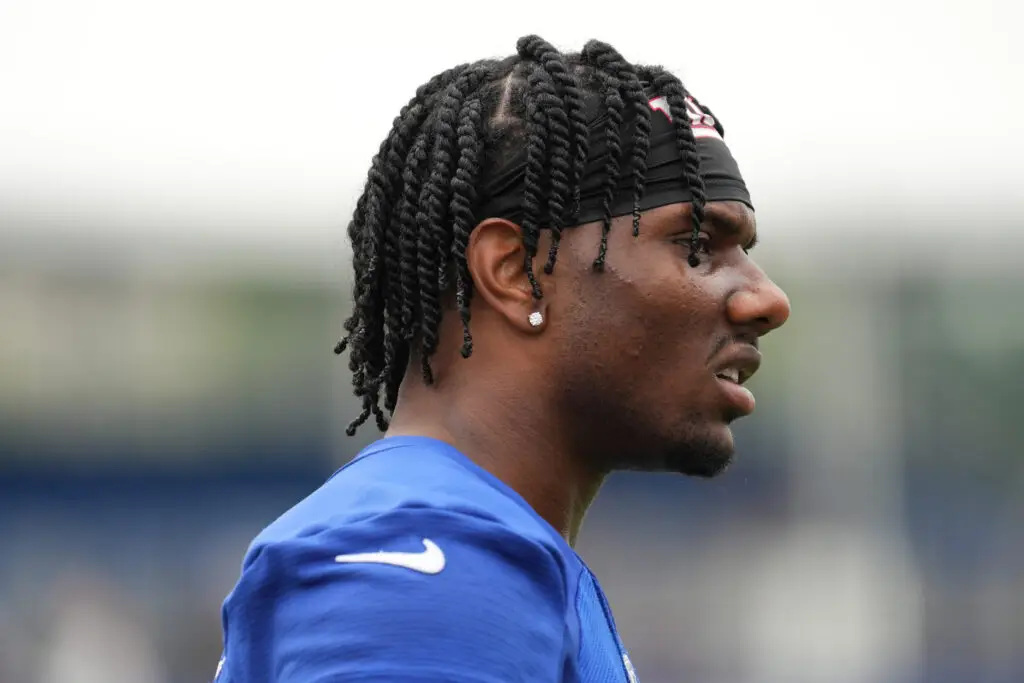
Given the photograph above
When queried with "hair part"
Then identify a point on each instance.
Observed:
(411, 224)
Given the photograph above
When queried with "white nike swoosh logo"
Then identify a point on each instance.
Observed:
(430, 561)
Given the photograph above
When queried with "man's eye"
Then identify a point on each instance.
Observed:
(703, 244)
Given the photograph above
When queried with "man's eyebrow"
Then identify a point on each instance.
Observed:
(732, 225)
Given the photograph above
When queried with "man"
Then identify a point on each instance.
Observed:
(552, 282)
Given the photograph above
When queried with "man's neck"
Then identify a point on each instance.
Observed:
(515, 446)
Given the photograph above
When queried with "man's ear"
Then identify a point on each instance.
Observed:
(495, 256)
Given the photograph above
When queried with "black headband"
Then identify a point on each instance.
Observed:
(664, 183)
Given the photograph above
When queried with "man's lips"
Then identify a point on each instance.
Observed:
(737, 363)
(732, 368)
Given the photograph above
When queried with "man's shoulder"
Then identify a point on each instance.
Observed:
(398, 521)
(403, 564)
(405, 488)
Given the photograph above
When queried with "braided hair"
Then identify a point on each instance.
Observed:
(411, 224)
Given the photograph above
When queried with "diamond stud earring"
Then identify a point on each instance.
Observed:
(536, 318)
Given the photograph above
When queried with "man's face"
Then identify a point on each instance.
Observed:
(652, 352)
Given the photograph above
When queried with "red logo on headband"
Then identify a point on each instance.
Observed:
(703, 124)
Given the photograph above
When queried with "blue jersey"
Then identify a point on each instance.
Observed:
(412, 563)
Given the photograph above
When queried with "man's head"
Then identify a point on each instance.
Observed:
(499, 170)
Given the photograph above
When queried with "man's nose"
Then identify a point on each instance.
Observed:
(761, 305)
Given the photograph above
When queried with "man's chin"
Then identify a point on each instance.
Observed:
(704, 457)
(709, 468)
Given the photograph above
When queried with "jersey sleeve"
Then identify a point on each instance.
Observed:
(495, 612)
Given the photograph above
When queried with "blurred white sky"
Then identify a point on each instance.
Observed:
(246, 124)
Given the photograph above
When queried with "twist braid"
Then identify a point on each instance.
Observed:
(608, 59)
(533, 188)
(675, 94)
(559, 190)
(408, 230)
(367, 357)
(406, 276)
(436, 196)
(613, 104)
(567, 129)
(464, 194)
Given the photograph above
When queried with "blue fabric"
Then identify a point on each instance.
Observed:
(512, 602)
(602, 656)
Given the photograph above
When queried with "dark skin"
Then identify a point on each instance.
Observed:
(632, 368)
